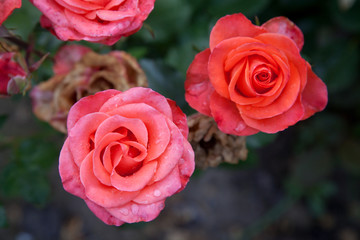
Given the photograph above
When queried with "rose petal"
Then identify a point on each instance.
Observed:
(101, 194)
(103, 214)
(137, 180)
(235, 25)
(88, 105)
(172, 154)
(67, 56)
(279, 122)
(110, 15)
(158, 131)
(198, 87)
(69, 172)
(85, 5)
(314, 96)
(99, 169)
(283, 103)
(80, 135)
(179, 118)
(97, 29)
(139, 95)
(186, 164)
(136, 126)
(134, 212)
(227, 117)
(160, 190)
(284, 26)
(217, 60)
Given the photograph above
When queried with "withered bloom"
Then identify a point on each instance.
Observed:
(80, 72)
(212, 146)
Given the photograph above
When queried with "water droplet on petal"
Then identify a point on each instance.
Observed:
(134, 208)
(124, 211)
(157, 193)
(240, 127)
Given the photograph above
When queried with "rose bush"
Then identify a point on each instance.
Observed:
(81, 72)
(253, 78)
(13, 76)
(95, 21)
(125, 153)
(7, 6)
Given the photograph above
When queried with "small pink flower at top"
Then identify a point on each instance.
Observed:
(6, 8)
(125, 153)
(253, 78)
(103, 21)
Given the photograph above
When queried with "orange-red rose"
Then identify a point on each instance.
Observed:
(104, 21)
(6, 8)
(126, 152)
(253, 78)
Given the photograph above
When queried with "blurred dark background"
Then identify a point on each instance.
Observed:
(299, 184)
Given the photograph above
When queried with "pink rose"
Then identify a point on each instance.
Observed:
(253, 78)
(13, 77)
(6, 8)
(126, 152)
(94, 21)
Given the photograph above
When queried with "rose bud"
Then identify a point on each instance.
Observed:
(253, 78)
(7, 7)
(81, 72)
(94, 21)
(125, 153)
(13, 76)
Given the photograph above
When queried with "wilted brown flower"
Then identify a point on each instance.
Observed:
(80, 72)
(212, 146)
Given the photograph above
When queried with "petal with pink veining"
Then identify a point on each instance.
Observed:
(198, 87)
(284, 26)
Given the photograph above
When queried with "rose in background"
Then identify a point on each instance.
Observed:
(95, 21)
(253, 78)
(7, 6)
(126, 152)
(81, 72)
(13, 71)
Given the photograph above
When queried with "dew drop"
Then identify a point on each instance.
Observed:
(239, 127)
(157, 193)
(124, 211)
(134, 208)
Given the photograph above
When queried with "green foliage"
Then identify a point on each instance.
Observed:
(2, 217)
(26, 174)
